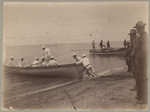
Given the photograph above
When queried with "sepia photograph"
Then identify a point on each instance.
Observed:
(75, 56)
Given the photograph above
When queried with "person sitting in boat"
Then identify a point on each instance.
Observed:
(102, 45)
(22, 63)
(52, 62)
(43, 62)
(77, 58)
(93, 45)
(108, 44)
(11, 62)
(86, 62)
(36, 62)
(125, 43)
(47, 53)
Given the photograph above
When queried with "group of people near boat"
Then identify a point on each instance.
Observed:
(136, 59)
(46, 60)
(101, 45)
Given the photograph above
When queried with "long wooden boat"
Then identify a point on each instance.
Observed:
(67, 70)
(119, 51)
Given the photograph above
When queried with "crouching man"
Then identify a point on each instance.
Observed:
(86, 62)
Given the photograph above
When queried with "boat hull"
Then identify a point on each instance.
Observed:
(68, 70)
(112, 51)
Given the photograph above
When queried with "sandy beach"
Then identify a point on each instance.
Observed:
(110, 91)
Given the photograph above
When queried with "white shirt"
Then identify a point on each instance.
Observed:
(22, 64)
(47, 52)
(35, 63)
(44, 64)
(52, 63)
(85, 61)
(11, 63)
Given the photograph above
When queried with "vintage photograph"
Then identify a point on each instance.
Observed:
(75, 56)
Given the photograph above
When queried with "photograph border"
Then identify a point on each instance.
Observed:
(1, 42)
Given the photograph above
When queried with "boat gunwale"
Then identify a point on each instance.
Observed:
(46, 67)
(109, 53)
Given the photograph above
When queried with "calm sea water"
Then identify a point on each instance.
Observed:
(15, 86)
(63, 54)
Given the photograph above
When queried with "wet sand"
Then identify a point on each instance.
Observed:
(110, 91)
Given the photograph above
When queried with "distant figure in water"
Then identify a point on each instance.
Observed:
(93, 45)
(43, 63)
(125, 43)
(86, 62)
(36, 62)
(108, 44)
(77, 58)
(52, 62)
(47, 53)
(11, 62)
(22, 63)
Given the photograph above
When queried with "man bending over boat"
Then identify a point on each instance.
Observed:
(36, 62)
(86, 62)
(11, 62)
(52, 62)
(77, 58)
(22, 63)
(47, 53)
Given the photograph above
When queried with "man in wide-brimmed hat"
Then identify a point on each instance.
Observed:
(134, 44)
(22, 63)
(141, 59)
(11, 62)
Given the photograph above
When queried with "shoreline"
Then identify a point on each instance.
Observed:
(110, 91)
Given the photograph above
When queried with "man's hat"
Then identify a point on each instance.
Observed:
(11, 57)
(21, 58)
(52, 57)
(74, 55)
(43, 47)
(132, 31)
(36, 58)
(139, 24)
(42, 58)
(83, 55)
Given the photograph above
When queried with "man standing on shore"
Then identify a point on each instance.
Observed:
(141, 59)
(134, 44)
(128, 56)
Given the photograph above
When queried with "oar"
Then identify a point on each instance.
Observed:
(70, 100)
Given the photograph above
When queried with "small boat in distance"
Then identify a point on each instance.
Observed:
(66, 70)
(108, 51)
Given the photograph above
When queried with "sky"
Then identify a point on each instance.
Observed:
(28, 23)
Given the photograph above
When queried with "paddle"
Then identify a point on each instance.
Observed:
(70, 100)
